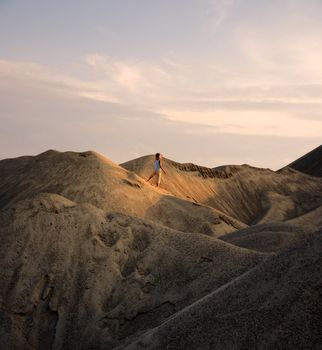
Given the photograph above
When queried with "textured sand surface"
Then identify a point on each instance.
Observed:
(276, 305)
(268, 237)
(310, 163)
(242, 192)
(89, 177)
(94, 257)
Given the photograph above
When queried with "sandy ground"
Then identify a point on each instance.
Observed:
(94, 257)
(242, 192)
(276, 305)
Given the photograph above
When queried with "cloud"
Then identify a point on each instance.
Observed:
(218, 12)
(133, 77)
(250, 122)
(256, 87)
(284, 59)
(184, 93)
(280, 42)
(57, 81)
(171, 81)
(38, 113)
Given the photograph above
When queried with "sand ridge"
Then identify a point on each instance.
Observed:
(88, 177)
(310, 163)
(242, 192)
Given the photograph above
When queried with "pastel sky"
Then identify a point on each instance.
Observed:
(206, 81)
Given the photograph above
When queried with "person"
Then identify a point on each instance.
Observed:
(157, 169)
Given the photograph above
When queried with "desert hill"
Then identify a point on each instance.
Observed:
(94, 257)
(276, 305)
(73, 276)
(245, 193)
(270, 237)
(88, 177)
(310, 163)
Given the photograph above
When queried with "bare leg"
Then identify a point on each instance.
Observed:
(151, 176)
(159, 178)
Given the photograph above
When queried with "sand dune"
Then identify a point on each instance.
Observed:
(310, 163)
(276, 305)
(89, 177)
(94, 257)
(72, 274)
(311, 219)
(270, 237)
(239, 191)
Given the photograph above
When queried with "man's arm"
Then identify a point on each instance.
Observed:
(162, 168)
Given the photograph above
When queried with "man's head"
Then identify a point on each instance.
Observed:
(157, 156)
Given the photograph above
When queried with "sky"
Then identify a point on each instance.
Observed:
(211, 82)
